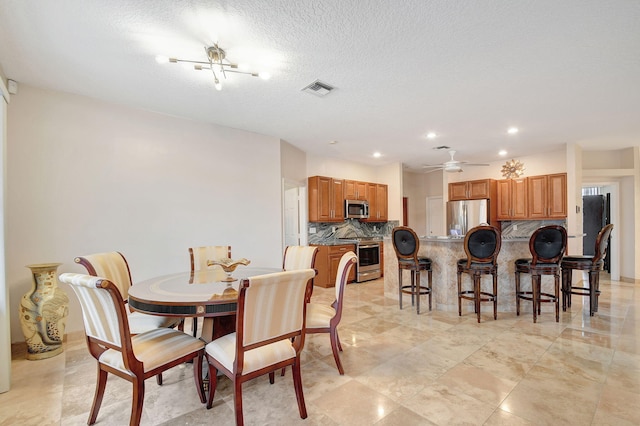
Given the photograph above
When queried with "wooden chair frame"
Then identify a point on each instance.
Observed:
(135, 372)
(538, 266)
(476, 267)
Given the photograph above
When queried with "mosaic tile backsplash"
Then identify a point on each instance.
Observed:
(350, 228)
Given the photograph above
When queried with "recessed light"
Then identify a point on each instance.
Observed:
(333, 142)
(377, 155)
(512, 130)
(431, 135)
(502, 152)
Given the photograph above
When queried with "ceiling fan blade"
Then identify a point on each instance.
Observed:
(476, 164)
(433, 170)
(429, 166)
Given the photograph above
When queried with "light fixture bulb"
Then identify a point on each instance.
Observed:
(217, 85)
(264, 75)
(162, 59)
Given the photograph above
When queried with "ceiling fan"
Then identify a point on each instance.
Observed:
(452, 165)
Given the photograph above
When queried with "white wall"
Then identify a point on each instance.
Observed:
(5, 307)
(415, 189)
(85, 176)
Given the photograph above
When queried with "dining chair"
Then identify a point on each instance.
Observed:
(114, 267)
(481, 245)
(547, 246)
(406, 245)
(134, 358)
(300, 257)
(591, 264)
(322, 318)
(198, 258)
(270, 332)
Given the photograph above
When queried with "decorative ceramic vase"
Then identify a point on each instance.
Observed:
(43, 312)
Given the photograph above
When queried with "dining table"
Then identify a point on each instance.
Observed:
(208, 293)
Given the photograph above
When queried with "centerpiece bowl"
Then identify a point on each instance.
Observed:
(228, 266)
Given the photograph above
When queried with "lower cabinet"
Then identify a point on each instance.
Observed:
(327, 262)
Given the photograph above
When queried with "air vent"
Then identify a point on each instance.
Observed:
(318, 88)
(442, 147)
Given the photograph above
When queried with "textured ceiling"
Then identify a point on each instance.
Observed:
(562, 71)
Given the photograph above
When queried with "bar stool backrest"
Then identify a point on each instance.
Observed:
(405, 243)
(548, 244)
(482, 244)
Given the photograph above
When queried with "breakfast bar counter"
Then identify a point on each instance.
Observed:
(444, 253)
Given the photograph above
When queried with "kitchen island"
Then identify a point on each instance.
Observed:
(445, 252)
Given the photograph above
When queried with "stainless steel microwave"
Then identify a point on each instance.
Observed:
(356, 209)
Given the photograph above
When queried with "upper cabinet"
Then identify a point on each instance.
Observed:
(327, 195)
(547, 196)
(355, 190)
(326, 201)
(533, 197)
(471, 190)
(512, 199)
(377, 198)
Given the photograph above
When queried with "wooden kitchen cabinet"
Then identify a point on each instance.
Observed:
(547, 196)
(326, 201)
(512, 199)
(471, 190)
(327, 262)
(355, 190)
(377, 196)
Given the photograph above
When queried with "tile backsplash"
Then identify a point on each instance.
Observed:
(320, 232)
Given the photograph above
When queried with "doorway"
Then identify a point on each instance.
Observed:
(600, 206)
(435, 217)
(294, 213)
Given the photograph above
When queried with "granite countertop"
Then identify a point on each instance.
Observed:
(341, 241)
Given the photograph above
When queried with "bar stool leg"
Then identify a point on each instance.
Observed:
(417, 291)
(517, 293)
(535, 296)
(593, 302)
(495, 294)
(476, 290)
(459, 291)
(400, 287)
(556, 282)
(413, 287)
(429, 276)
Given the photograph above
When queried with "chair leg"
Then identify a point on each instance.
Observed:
(197, 376)
(593, 301)
(535, 295)
(272, 376)
(416, 290)
(459, 292)
(194, 327)
(101, 384)
(237, 400)
(476, 291)
(333, 335)
(429, 278)
(338, 340)
(556, 283)
(159, 379)
(213, 382)
(567, 278)
(495, 295)
(517, 293)
(137, 401)
(400, 287)
(297, 384)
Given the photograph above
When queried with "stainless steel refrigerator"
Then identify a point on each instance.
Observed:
(464, 215)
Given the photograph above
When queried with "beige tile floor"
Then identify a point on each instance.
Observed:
(401, 369)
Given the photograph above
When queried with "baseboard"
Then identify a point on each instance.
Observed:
(630, 280)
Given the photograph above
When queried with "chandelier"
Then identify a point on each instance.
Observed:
(217, 63)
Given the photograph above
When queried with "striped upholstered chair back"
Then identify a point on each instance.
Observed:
(299, 257)
(200, 255)
(112, 266)
(270, 330)
(103, 310)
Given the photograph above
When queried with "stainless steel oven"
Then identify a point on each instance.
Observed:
(368, 266)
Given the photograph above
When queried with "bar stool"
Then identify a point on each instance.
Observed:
(592, 264)
(547, 246)
(482, 245)
(406, 246)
